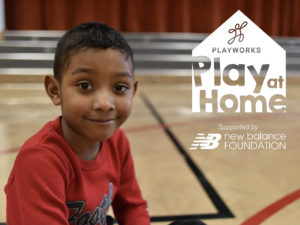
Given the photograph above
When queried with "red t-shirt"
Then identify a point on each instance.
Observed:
(50, 184)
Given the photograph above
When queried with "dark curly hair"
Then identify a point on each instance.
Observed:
(89, 35)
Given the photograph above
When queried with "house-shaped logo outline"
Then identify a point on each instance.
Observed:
(255, 48)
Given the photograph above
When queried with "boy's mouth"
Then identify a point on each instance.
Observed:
(101, 120)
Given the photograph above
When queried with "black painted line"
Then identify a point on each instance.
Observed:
(189, 217)
(223, 210)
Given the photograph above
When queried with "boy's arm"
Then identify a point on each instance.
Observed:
(36, 190)
(129, 206)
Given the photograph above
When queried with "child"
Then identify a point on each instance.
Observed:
(76, 166)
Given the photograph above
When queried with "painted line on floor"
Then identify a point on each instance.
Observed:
(9, 151)
(272, 209)
(205, 120)
(144, 128)
(223, 210)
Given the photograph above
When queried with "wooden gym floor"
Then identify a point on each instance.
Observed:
(220, 187)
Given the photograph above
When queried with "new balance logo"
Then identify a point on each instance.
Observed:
(208, 142)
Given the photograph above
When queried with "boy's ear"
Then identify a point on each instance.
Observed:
(52, 88)
(135, 87)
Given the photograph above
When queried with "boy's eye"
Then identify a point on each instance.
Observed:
(121, 88)
(84, 85)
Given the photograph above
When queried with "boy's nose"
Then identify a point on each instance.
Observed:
(104, 101)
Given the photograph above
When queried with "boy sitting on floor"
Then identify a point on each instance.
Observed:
(76, 166)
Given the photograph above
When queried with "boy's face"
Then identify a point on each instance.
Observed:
(95, 93)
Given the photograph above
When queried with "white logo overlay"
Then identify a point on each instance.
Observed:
(240, 137)
(238, 68)
(206, 142)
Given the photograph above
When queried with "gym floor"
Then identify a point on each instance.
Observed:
(221, 186)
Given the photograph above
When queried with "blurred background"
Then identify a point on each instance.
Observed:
(275, 17)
